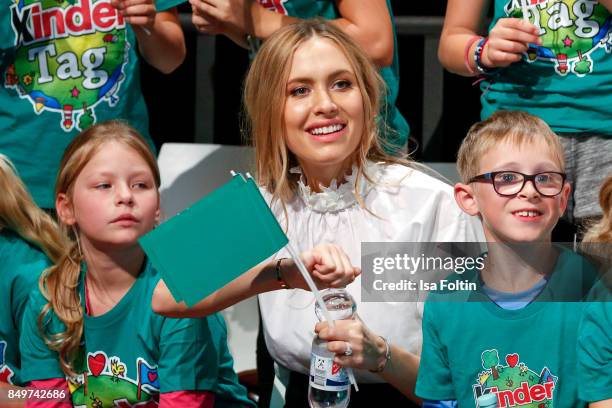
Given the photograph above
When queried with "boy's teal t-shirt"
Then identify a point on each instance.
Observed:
(399, 130)
(128, 354)
(21, 264)
(568, 80)
(526, 356)
(64, 65)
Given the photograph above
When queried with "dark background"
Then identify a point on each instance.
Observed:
(171, 98)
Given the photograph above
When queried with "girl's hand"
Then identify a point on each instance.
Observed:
(230, 16)
(368, 349)
(328, 265)
(508, 40)
(204, 23)
(137, 12)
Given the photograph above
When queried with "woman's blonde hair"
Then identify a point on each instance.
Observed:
(59, 284)
(19, 213)
(264, 100)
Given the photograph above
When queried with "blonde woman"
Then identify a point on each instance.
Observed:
(312, 97)
(29, 242)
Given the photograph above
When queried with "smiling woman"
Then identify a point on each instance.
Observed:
(323, 171)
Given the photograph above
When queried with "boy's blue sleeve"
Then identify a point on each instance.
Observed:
(595, 352)
(187, 357)
(434, 380)
(440, 404)
(38, 362)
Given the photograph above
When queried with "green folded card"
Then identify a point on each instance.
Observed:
(220, 237)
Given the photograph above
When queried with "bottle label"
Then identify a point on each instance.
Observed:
(327, 375)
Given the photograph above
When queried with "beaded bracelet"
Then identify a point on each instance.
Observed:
(478, 57)
(466, 60)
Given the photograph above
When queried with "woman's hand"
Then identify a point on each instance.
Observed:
(367, 350)
(508, 40)
(328, 265)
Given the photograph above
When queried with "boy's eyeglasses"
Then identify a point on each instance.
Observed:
(509, 183)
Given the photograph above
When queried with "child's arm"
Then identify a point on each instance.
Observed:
(328, 265)
(367, 21)
(369, 352)
(159, 33)
(601, 404)
(508, 39)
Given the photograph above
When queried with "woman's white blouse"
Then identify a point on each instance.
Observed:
(405, 205)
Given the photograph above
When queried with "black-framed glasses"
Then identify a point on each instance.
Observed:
(509, 183)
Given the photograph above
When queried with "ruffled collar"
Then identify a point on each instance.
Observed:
(336, 197)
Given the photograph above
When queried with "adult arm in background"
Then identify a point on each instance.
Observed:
(368, 22)
(369, 352)
(159, 33)
(601, 404)
(508, 39)
(328, 265)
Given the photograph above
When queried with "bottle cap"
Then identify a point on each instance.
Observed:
(487, 400)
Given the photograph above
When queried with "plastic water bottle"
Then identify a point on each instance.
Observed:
(487, 401)
(329, 385)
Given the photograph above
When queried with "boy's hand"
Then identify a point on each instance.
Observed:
(508, 40)
(368, 349)
(137, 12)
(328, 265)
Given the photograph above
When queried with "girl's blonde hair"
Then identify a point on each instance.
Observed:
(59, 284)
(601, 232)
(19, 213)
(264, 100)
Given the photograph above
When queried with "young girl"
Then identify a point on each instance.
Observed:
(29, 240)
(595, 338)
(93, 321)
(550, 58)
(325, 176)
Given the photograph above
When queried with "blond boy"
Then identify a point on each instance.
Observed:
(507, 340)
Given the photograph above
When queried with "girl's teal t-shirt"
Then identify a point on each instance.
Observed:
(21, 264)
(567, 81)
(128, 354)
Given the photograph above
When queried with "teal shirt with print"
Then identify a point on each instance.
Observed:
(64, 65)
(129, 353)
(568, 80)
(21, 264)
(398, 131)
(595, 345)
(471, 346)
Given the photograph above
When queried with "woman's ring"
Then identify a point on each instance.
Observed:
(349, 350)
